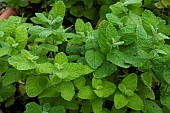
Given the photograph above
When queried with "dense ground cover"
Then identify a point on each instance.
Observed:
(101, 56)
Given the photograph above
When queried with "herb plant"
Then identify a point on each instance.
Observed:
(122, 65)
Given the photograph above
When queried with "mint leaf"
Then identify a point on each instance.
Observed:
(113, 19)
(97, 83)
(86, 107)
(135, 102)
(46, 107)
(57, 109)
(61, 58)
(77, 10)
(130, 81)
(166, 76)
(107, 90)
(130, 2)
(45, 33)
(106, 69)
(74, 70)
(145, 91)
(11, 76)
(120, 100)
(88, 69)
(35, 85)
(21, 37)
(94, 58)
(50, 92)
(124, 90)
(32, 107)
(45, 68)
(118, 9)
(67, 90)
(147, 78)
(49, 47)
(86, 93)
(149, 20)
(20, 63)
(79, 25)
(151, 107)
(79, 82)
(42, 18)
(6, 92)
(97, 105)
(5, 51)
(118, 58)
(106, 33)
(58, 9)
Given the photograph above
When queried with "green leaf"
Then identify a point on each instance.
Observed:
(77, 11)
(86, 93)
(94, 58)
(58, 9)
(45, 33)
(50, 92)
(79, 25)
(97, 83)
(118, 58)
(35, 85)
(57, 109)
(1, 33)
(6, 92)
(97, 105)
(130, 81)
(107, 90)
(118, 9)
(54, 79)
(21, 37)
(11, 76)
(166, 3)
(49, 47)
(35, 1)
(5, 51)
(42, 18)
(120, 100)
(34, 30)
(166, 76)
(61, 58)
(32, 107)
(73, 71)
(122, 110)
(46, 107)
(130, 2)
(86, 107)
(106, 69)
(149, 20)
(135, 102)
(124, 90)
(106, 33)
(88, 3)
(20, 63)
(104, 9)
(91, 13)
(165, 97)
(45, 68)
(151, 107)
(88, 69)
(145, 92)
(79, 82)
(113, 19)
(67, 90)
(147, 78)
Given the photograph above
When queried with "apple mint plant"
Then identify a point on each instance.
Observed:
(120, 66)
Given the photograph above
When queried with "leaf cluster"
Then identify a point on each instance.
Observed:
(115, 68)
